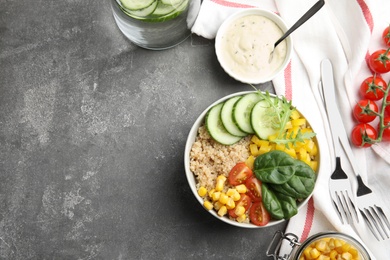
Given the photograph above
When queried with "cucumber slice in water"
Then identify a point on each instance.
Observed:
(227, 117)
(216, 129)
(242, 112)
(172, 2)
(136, 4)
(262, 121)
(141, 13)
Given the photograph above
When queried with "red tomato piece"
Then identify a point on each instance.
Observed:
(379, 61)
(254, 188)
(373, 88)
(365, 111)
(386, 36)
(239, 174)
(258, 215)
(244, 201)
(363, 135)
(386, 132)
(387, 108)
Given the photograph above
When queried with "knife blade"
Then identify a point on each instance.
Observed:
(339, 133)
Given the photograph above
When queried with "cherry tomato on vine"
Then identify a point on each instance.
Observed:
(364, 110)
(387, 108)
(386, 132)
(386, 36)
(379, 61)
(362, 135)
(373, 88)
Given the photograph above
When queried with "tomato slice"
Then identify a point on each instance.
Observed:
(254, 188)
(258, 215)
(239, 174)
(363, 134)
(244, 201)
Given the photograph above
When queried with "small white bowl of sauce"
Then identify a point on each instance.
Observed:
(245, 41)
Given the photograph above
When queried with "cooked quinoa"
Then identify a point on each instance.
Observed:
(208, 158)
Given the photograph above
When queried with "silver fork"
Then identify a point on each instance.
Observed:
(366, 200)
(339, 183)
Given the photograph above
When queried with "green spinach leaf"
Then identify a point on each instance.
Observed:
(301, 185)
(271, 202)
(288, 204)
(275, 167)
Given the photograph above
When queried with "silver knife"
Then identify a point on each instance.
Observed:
(334, 116)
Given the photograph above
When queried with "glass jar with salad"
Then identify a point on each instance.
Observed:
(323, 245)
(155, 24)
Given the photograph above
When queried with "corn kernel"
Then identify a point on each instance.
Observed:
(239, 210)
(241, 218)
(221, 177)
(216, 195)
(323, 257)
(346, 256)
(314, 253)
(233, 193)
(202, 191)
(222, 211)
(220, 184)
(241, 188)
(208, 205)
(223, 198)
(211, 193)
(217, 205)
(321, 245)
(230, 204)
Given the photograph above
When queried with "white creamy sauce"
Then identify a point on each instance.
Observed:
(247, 45)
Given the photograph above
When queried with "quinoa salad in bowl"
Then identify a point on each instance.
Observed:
(251, 159)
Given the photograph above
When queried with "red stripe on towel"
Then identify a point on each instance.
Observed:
(231, 4)
(308, 220)
(367, 14)
(288, 82)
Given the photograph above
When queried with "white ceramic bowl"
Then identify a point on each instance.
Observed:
(191, 177)
(258, 75)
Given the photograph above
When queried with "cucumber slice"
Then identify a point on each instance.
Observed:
(136, 4)
(172, 2)
(216, 129)
(163, 9)
(162, 12)
(242, 112)
(142, 12)
(262, 122)
(227, 117)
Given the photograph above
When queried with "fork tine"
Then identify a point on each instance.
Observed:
(368, 222)
(379, 220)
(382, 214)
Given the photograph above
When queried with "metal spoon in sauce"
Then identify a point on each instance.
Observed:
(314, 9)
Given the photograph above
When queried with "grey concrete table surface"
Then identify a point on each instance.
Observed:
(92, 135)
